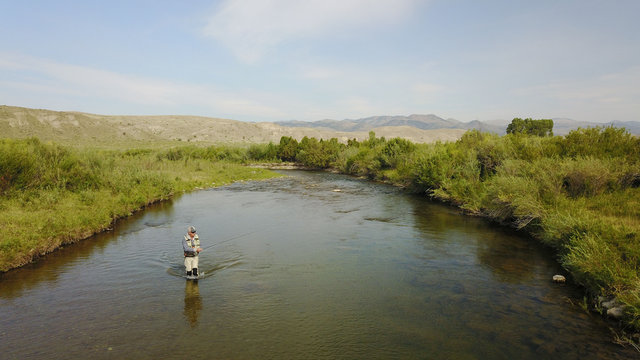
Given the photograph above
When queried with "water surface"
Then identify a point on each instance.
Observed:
(311, 266)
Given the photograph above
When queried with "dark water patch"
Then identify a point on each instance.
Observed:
(380, 219)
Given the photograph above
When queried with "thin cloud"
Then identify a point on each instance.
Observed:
(320, 73)
(88, 83)
(622, 85)
(601, 98)
(427, 88)
(252, 28)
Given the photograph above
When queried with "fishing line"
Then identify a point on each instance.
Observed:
(231, 239)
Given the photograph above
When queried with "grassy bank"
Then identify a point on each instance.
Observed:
(579, 194)
(51, 195)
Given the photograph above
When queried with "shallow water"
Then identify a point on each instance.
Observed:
(311, 266)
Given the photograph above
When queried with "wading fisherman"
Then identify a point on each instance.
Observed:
(191, 247)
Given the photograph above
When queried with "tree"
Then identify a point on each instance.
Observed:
(542, 127)
(288, 148)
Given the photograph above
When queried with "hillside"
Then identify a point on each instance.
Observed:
(561, 126)
(103, 130)
(83, 128)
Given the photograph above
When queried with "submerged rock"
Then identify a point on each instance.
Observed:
(616, 312)
(612, 303)
(615, 309)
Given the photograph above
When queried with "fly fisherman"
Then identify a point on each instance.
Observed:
(191, 247)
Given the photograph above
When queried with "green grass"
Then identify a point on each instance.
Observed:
(53, 195)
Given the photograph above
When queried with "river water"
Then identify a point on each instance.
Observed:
(310, 266)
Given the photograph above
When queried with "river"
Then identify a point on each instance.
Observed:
(309, 266)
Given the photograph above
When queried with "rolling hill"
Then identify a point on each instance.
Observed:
(102, 130)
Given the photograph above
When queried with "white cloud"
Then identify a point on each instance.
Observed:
(45, 79)
(86, 81)
(252, 28)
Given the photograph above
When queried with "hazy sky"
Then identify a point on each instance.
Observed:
(270, 60)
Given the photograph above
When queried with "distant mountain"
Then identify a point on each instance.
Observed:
(424, 122)
(561, 126)
(632, 126)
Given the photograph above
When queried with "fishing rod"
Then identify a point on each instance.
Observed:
(230, 239)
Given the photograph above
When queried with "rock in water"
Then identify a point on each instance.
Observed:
(559, 278)
(616, 312)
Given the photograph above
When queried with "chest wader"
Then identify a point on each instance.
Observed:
(194, 244)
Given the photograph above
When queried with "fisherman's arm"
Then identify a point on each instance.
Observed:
(187, 248)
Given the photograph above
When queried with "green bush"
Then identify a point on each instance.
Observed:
(18, 165)
(30, 164)
(589, 177)
(432, 167)
(263, 152)
(601, 142)
(394, 151)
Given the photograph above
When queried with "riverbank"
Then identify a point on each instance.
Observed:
(408, 275)
(578, 194)
(54, 195)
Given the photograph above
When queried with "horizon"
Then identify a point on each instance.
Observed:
(282, 60)
(492, 122)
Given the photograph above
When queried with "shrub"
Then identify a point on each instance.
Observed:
(30, 164)
(394, 151)
(263, 152)
(588, 177)
(601, 142)
(18, 165)
(432, 168)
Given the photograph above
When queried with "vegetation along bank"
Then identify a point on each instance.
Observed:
(579, 193)
(51, 195)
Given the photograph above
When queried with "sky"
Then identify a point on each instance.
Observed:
(277, 60)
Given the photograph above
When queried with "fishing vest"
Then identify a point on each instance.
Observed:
(195, 243)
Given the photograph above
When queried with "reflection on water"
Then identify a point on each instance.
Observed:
(512, 265)
(192, 302)
(296, 269)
